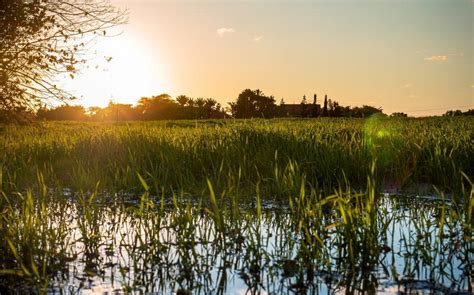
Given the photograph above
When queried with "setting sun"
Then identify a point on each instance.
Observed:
(123, 70)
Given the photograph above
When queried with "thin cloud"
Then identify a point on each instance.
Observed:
(422, 51)
(257, 39)
(460, 54)
(408, 85)
(225, 31)
(413, 96)
(437, 58)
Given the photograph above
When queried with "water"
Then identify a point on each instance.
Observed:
(414, 246)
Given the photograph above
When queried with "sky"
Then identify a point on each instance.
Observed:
(404, 56)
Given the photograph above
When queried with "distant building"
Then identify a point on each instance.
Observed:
(302, 110)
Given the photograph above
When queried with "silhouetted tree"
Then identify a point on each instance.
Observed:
(345, 111)
(303, 107)
(303, 100)
(210, 105)
(200, 103)
(325, 107)
(453, 113)
(399, 114)
(182, 100)
(41, 39)
(330, 108)
(266, 106)
(469, 112)
(459, 113)
(62, 113)
(281, 111)
(96, 114)
(252, 104)
(365, 111)
(335, 110)
(158, 107)
(120, 112)
(17, 114)
(191, 102)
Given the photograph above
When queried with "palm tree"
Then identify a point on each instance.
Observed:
(210, 105)
(191, 102)
(182, 100)
(200, 102)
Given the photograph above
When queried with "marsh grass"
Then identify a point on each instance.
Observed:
(357, 242)
(238, 155)
(214, 207)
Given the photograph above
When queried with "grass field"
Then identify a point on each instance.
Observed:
(220, 206)
(278, 155)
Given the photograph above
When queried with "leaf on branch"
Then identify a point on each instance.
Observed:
(37, 45)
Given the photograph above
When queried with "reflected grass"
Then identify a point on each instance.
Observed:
(345, 242)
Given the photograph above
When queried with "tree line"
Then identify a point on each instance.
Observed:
(455, 113)
(160, 107)
(249, 104)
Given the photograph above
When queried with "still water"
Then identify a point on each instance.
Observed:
(414, 245)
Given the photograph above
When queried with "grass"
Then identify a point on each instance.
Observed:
(236, 156)
(203, 206)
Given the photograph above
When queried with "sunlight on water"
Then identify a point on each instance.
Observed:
(117, 249)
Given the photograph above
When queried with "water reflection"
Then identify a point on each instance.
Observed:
(411, 246)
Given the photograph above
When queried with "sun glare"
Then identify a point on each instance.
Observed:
(123, 71)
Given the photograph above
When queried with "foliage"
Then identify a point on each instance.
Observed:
(157, 107)
(253, 104)
(43, 39)
(61, 113)
(325, 107)
(399, 114)
(17, 114)
(365, 111)
(459, 113)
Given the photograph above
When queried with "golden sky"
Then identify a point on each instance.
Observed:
(409, 56)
